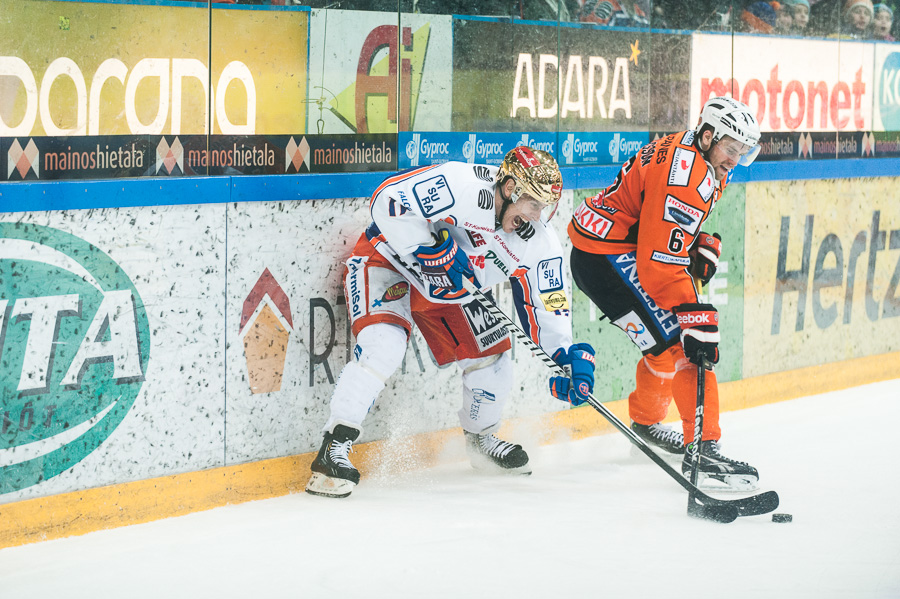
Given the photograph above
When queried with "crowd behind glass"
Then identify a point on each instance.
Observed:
(845, 19)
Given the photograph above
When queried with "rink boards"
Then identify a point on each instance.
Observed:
(158, 360)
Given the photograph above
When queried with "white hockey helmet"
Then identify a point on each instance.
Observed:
(729, 117)
(535, 173)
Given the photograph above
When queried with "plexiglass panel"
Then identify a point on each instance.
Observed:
(277, 86)
(87, 89)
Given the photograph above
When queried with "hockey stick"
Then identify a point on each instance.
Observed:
(692, 507)
(710, 508)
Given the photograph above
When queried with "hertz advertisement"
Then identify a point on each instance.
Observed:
(821, 273)
(83, 68)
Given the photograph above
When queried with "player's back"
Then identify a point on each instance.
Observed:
(667, 169)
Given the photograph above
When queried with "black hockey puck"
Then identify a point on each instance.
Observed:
(782, 518)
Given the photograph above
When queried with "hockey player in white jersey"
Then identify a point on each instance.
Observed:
(431, 227)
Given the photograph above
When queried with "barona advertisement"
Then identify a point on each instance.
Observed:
(74, 348)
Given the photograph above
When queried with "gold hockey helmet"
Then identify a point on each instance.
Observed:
(535, 173)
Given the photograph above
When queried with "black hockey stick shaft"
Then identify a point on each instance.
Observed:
(722, 510)
(698, 435)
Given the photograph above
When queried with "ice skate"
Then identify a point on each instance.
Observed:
(488, 453)
(333, 474)
(661, 438)
(737, 476)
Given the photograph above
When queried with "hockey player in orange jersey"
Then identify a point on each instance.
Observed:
(638, 245)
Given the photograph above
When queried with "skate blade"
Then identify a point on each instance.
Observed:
(488, 467)
(726, 483)
(326, 486)
(671, 458)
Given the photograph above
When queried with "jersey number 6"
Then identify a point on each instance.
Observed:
(676, 241)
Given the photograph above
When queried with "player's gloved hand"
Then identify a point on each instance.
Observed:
(444, 264)
(705, 256)
(579, 362)
(699, 332)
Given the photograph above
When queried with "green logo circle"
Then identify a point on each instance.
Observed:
(74, 348)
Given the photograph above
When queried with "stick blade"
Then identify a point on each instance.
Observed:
(758, 504)
(717, 512)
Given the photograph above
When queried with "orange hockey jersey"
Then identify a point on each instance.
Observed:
(656, 205)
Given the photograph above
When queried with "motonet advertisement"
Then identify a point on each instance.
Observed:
(822, 268)
(793, 85)
(515, 77)
(84, 68)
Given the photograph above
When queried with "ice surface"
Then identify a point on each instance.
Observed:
(592, 521)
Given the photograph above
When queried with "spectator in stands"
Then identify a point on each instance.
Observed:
(545, 10)
(485, 8)
(881, 26)
(800, 14)
(759, 17)
(707, 15)
(615, 13)
(659, 19)
(856, 18)
(784, 19)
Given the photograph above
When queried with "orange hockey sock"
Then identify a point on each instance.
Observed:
(649, 402)
(684, 388)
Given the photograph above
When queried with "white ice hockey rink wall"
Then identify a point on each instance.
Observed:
(212, 335)
(169, 343)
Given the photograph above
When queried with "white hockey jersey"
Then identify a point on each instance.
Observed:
(408, 209)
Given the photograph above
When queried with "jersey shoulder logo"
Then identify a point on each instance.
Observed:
(483, 173)
(680, 172)
(706, 187)
(433, 195)
(485, 199)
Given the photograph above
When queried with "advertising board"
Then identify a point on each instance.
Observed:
(88, 68)
(369, 74)
(822, 267)
(536, 77)
(111, 352)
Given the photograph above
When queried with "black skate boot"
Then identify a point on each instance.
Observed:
(660, 436)
(333, 474)
(487, 452)
(739, 476)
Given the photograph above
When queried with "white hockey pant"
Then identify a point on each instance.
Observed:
(486, 385)
(379, 352)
